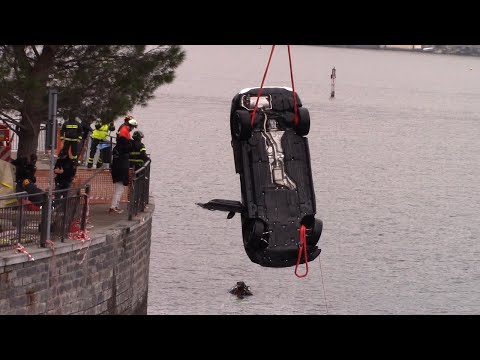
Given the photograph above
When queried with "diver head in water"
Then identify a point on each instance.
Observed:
(241, 290)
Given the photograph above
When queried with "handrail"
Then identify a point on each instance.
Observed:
(143, 167)
(139, 190)
(26, 222)
(9, 196)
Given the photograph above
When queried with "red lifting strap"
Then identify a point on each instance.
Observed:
(303, 247)
(263, 82)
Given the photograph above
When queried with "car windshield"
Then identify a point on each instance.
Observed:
(264, 102)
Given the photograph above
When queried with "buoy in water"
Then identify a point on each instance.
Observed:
(333, 76)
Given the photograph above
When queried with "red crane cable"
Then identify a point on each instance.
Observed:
(295, 107)
(261, 86)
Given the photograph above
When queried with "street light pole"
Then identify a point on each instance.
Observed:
(52, 119)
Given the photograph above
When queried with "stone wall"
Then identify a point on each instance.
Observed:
(107, 275)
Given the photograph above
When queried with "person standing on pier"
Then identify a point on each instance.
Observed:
(120, 163)
(99, 135)
(71, 134)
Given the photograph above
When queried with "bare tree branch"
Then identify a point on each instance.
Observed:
(22, 57)
(6, 122)
(34, 48)
(11, 120)
(9, 100)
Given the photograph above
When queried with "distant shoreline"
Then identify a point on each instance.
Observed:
(464, 50)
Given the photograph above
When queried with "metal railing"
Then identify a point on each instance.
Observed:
(69, 212)
(19, 220)
(84, 152)
(24, 221)
(41, 140)
(24, 218)
(140, 190)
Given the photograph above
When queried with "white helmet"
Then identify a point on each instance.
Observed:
(132, 122)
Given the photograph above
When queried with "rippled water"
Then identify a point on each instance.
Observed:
(395, 160)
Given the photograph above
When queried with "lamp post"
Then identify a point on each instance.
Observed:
(52, 120)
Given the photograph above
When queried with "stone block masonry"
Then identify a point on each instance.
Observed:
(107, 275)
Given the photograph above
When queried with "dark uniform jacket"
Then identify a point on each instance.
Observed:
(25, 179)
(120, 162)
(71, 131)
(24, 169)
(86, 129)
(69, 171)
(138, 155)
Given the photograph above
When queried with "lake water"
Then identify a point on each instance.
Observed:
(395, 161)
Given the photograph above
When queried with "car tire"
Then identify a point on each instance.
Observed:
(254, 234)
(316, 232)
(314, 227)
(241, 126)
(303, 126)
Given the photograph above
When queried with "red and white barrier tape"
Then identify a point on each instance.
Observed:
(51, 245)
(75, 233)
(5, 153)
(20, 248)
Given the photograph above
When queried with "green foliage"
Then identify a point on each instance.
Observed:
(105, 81)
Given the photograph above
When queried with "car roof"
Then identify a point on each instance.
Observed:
(266, 87)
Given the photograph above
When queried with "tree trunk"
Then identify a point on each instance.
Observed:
(34, 107)
(28, 141)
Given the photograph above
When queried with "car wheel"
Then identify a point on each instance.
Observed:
(303, 126)
(314, 227)
(254, 234)
(241, 126)
(316, 232)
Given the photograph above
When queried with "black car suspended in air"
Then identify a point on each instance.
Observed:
(272, 157)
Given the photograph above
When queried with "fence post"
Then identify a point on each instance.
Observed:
(85, 208)
(147, 175)
(44, 221)
(131, 203)
(141, 193)
(65, 212)
(20, 221)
